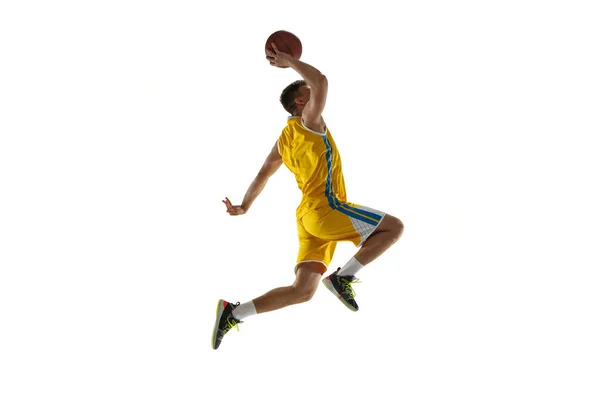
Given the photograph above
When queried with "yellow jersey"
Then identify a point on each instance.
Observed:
(314, 159)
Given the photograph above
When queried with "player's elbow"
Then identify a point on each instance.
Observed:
(321, 81)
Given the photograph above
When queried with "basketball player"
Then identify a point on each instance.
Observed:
(324, 217)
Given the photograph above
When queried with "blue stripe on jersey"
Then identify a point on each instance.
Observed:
(335, 199)
(328, 189)
(334, 202)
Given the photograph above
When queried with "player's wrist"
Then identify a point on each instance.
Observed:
(293, 63)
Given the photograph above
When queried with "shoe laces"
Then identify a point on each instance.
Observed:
(347, 285)
(231, 323)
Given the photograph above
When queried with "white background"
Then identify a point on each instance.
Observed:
(125, 123)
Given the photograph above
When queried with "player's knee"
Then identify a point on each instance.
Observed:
(304, 294)
(396, 227)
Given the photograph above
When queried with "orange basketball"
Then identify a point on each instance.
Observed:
(286, 42)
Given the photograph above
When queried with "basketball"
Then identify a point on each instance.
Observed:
(286, 42)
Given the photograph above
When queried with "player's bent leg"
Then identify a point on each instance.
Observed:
(304, 287)
(340, 282)
(387, 233)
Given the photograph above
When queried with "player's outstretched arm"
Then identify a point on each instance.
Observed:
(270, 166)
(311, 115)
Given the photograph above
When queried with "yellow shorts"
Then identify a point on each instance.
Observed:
(321, 229)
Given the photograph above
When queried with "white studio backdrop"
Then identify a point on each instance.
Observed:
(124, 124)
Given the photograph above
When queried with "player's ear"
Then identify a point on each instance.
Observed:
(298, 100)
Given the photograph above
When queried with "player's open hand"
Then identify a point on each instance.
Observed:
(278, 58)
(233, 210)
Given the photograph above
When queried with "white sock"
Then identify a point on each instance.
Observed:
(351, 268)
(244, 310)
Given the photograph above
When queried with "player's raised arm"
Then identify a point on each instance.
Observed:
(311, 114)
(270, 166)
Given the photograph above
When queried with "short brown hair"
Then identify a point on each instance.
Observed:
(289, 94)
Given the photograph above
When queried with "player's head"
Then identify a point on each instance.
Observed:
(294, 95)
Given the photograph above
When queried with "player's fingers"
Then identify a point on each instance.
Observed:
(275, 48)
